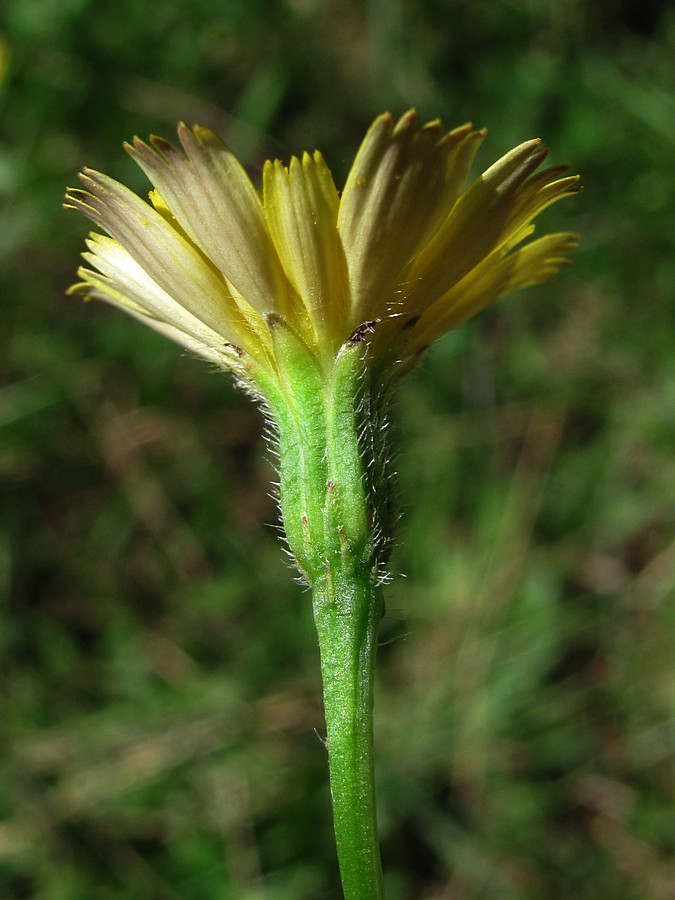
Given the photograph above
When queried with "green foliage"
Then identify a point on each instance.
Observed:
(160, 678)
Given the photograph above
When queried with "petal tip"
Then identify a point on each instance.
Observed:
(407, 122)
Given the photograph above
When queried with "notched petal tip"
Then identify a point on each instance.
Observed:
(385, 119)
(191, 139)
(569, 242)
(515, 156)
(162, 145)
(537, 156)
(561, 187)
(408, 126)
(434, 126)
(276, 168)
(79, 200)
(95, 182)
(158, 150)
(204, 136)
(89, 173)
(74, 193)
(407, 122)
(458, 132)
(514, 167)
(573, 186)
(522, 165)
(81, 288)
(73, 198)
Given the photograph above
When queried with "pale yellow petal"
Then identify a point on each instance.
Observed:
(301, 205)
(538, 193)
(213, 199)
(495, 277)
(131, 281)
(99, 287)
(402, 185)
(169, 260)
(476, 226)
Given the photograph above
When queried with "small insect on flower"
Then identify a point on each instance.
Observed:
(406, 252)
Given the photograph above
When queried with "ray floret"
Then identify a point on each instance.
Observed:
(409, 244)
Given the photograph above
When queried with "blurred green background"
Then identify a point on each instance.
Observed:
(160, 711)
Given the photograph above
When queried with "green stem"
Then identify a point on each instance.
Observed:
(335, 504)
(348, 643)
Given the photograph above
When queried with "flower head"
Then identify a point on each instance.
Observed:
(407, 252)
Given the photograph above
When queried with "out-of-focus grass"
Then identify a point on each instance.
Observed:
(159, 677)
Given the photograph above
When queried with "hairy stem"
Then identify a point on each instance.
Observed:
(347, 612)
(335, 502)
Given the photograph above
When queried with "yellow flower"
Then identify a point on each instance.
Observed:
(406, 251)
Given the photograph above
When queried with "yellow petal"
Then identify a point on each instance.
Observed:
(538, 193)
(495, 277)
(475, 227)
(301, 205)
(213, 199)
(402, 185)
(126, 278)
(169, 260)
(99, 287)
